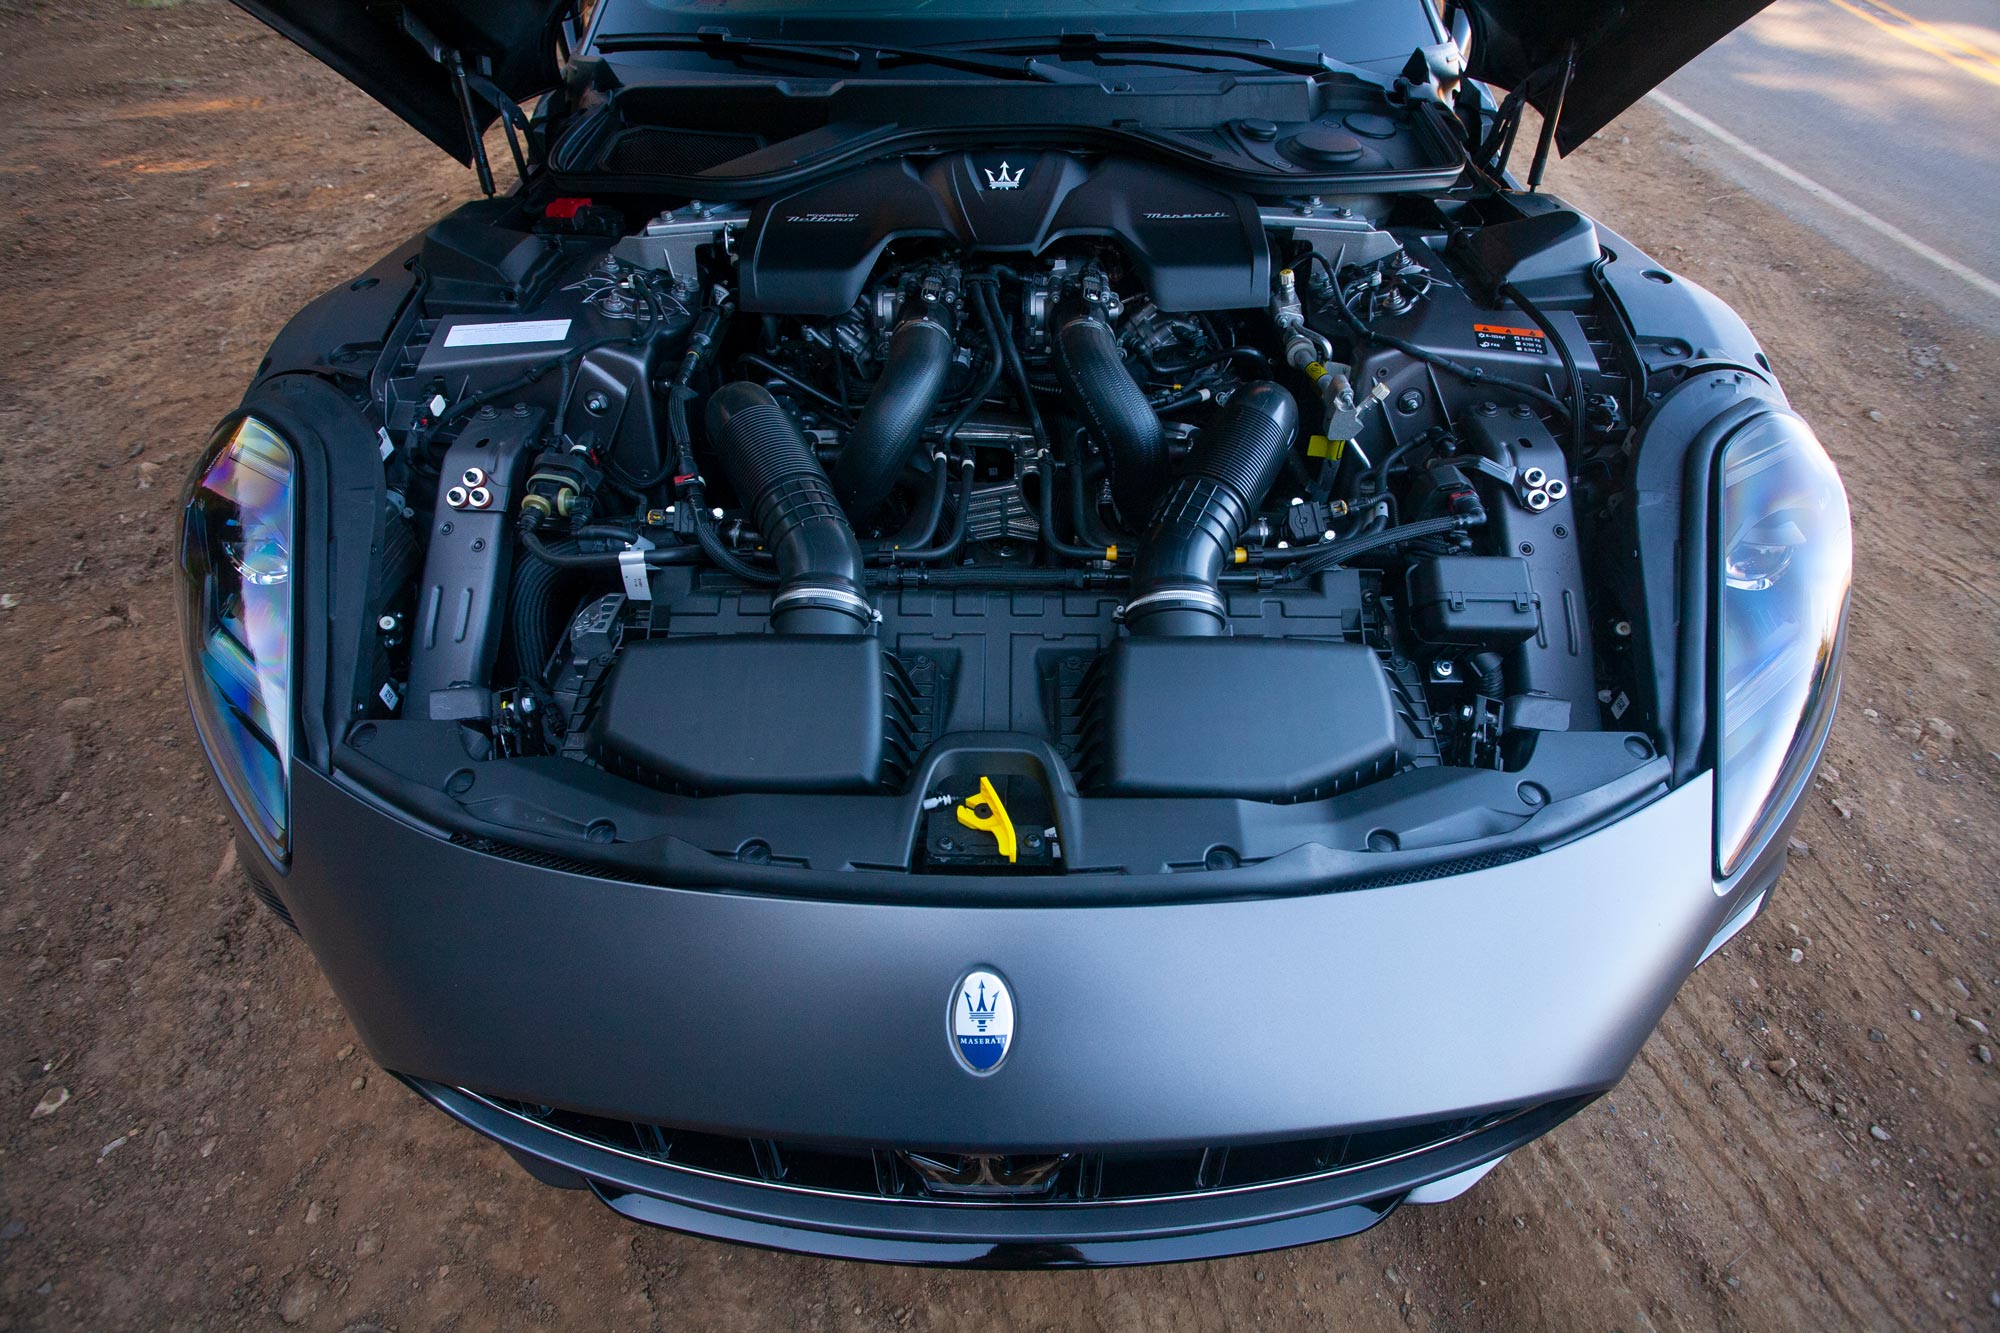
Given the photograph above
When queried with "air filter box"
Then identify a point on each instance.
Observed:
(753, 713)
(1261, 719)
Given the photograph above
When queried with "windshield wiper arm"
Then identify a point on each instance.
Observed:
(856, 56)
(1090, 45)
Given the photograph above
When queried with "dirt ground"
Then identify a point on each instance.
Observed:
(1808, 1142)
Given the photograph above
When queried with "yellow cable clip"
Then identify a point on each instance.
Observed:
(992, 818)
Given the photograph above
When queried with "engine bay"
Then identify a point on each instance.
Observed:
(1044, 512)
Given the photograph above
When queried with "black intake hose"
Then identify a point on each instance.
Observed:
(886, 434)
(1115, 411)
(1194, 531)
(777, 475)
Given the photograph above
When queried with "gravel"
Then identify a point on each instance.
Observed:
(300, 1299)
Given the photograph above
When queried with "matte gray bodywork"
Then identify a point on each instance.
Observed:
(1169, 1024)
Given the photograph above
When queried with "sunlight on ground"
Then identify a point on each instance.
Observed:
(186, 106)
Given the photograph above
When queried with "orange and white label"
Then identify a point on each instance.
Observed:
(1508, 338)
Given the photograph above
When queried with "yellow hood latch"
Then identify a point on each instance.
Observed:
(983, 811)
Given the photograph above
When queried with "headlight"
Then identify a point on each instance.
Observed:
(1786, 558)
(236, 619)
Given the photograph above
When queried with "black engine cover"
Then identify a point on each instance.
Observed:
(1260, 719)
(753, 712)
(1196, 247)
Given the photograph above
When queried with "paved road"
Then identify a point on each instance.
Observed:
(1875, 124)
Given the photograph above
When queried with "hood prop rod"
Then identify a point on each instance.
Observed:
(456, 64)
(465, 85)
(1552, 119)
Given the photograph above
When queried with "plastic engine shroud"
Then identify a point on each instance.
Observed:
(1195, 247)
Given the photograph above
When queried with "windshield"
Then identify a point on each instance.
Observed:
(1378, 33)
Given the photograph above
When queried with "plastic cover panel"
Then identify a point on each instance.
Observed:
(1196, 247)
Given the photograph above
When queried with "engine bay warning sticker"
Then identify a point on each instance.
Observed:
(1506, 338)
(513, 331)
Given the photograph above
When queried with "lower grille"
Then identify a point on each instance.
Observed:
(529, 856)
(1016, 1180)
(1464, 865)
(268, 896)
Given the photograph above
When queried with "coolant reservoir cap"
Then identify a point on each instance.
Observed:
(1324, 143)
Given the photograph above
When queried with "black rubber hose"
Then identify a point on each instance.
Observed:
(1114, 409)
(946, 446)
(1193, 535)
(922, 526)
(1045, 503)
(566, 555)
(1561, 344)
(531, 613)
(994, 576)
(1017, 576)
(778, 372)
(986, 301)
(1470, 374)
(776, 473)
(954, 539)
(1330, 554)
(703, 339)
(727, 560)
(1257, 361)
(1084, 518)
(1628, 343)
(1490, 673)
(886, 433)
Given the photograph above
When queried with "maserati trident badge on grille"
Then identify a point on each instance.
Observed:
(1000, 180)
(982, 1021)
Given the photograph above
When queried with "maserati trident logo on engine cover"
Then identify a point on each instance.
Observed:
(982, 1021)
(1000, 180)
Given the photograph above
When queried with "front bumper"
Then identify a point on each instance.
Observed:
(809, 1209)
(1501, 1000)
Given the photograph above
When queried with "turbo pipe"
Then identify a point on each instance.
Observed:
(777, 475)
(886, 433)
(1115, 411)
(1193, 536)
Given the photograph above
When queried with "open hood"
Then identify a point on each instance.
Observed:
(405, 53)
(1623, 50)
